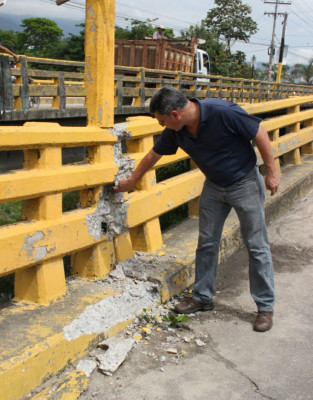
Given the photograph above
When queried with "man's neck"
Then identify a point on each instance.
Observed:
(193, 117)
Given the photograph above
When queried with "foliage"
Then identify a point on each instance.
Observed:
(212, 46)
(10, 213)
(172, 319)
(223, 62)
(263, 74)
(9, 40)
(304, 73)
(233, 65)
(175, 319)
(74, 46)
(231, 20)
(140, 29)
(40, 37)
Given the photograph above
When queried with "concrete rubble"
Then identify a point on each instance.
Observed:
(114, 355)
(111, 213)
(87, 366)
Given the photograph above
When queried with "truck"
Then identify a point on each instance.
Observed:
(163, 54)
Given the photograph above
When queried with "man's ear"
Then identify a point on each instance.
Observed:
(175, 114)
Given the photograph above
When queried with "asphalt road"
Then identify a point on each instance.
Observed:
(218, 355)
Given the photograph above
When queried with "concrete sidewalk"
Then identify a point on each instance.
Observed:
(38, 342)
(216, 355)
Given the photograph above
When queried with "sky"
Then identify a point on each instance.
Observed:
(180, 14)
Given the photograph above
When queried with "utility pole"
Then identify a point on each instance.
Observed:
(272, 48)
(281, 52)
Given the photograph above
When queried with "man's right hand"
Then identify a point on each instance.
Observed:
(124, 185)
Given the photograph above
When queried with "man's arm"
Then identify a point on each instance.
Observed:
(7, 51)
(263, 144)
(145, 164)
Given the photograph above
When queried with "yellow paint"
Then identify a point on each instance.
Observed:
(20, 374)
(157, 317)
(19, 248)
(137, 337)
(69, 387)
(40, 284)
(123, 247)
(163, 197)
(146, 330)
(31, 136)
(269, 106)
(147, 237)
(37, 182)
(94, 262)
(99, 62)
(308, 148)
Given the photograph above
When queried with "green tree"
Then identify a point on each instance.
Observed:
(9, 39)
(231, 20)
(211, 45)
(286, 76)
(304, 73)
(74, 46)
(40, 37)
(222, 61)
(139, 29)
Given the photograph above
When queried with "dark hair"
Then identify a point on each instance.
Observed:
(166, 100)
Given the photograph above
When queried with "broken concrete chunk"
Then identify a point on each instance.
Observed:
(87, 366)
(118, 272)
(115, 355)
(199, 343)
(172, 351)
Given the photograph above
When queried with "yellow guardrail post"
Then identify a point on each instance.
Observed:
(294, 156)
(45, 281)
(98, 260)
(145, 237)
(308, 148)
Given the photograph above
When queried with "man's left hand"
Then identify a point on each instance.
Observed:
(272, 182)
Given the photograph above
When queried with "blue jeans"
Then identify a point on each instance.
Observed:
(247, 197)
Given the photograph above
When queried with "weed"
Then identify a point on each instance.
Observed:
(175, 319)
(170, 318)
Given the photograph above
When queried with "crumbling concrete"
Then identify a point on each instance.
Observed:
(87, 366)
(111, 213)
(114, 355)
(112, 310)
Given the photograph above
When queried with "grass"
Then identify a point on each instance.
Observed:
(10, 213)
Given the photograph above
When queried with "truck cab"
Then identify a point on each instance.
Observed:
(201, 62)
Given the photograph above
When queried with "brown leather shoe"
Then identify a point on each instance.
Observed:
(263, 321)
(192, 305)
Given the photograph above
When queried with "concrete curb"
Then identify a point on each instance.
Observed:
(34, 346)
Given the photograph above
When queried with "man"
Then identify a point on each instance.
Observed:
(158, 34)
(217, 135)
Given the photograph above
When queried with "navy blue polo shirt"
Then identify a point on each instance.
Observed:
(222, 148)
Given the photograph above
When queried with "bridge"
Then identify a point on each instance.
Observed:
(45, 89)
(104, 229)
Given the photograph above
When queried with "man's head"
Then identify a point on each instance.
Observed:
(161, 28)
(166, 105)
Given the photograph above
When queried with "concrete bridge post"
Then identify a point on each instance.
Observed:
(97, 260)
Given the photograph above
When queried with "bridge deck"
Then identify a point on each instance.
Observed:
(33, 336)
